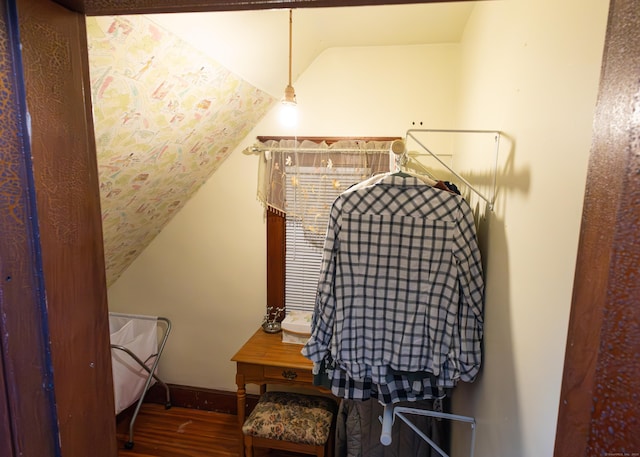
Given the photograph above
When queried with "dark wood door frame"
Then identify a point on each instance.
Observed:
(26, 371)
(53, 297)
(601, 372)
(598, 411)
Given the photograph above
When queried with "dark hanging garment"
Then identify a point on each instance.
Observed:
(358, 432)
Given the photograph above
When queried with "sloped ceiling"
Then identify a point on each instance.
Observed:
(254, 44)
(173, 95)
(165, 117)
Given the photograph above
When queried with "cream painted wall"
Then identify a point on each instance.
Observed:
(206, 270)
(529, 68)
(378, 90)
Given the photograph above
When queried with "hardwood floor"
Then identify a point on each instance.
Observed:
(182, 432)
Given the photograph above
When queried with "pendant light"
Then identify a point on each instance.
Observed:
(289, 108)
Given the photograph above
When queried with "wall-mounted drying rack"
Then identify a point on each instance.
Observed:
(413, 136)
(391, 412)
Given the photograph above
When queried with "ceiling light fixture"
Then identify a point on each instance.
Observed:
(289, 108)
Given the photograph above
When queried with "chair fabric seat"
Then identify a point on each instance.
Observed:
(292, 417)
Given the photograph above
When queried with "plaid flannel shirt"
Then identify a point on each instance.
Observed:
(400, 290)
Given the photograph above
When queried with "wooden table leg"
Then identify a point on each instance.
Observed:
(242, 400)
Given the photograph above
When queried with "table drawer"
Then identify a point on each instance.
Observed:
(287, 374)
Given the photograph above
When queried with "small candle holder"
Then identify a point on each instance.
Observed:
(270, 322)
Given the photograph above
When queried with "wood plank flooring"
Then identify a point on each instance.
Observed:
(182, 432)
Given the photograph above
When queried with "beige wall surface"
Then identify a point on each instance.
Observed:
(528, 68)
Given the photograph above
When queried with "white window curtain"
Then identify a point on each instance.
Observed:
(300, 180)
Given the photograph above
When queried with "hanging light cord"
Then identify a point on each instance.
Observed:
(290, 41)
(289, 91)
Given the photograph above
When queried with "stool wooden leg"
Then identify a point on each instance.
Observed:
(248, 446)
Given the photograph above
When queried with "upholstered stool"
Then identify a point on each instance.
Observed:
(291, 422)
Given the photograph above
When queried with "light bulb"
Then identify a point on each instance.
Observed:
(289, 114)
(289, 108)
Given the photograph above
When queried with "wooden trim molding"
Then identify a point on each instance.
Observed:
(108, 7)
(599, 397)
(26, 373)
(220, 401)
(70, 245)
(276, 261)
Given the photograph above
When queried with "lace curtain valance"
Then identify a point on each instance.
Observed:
(301, 178)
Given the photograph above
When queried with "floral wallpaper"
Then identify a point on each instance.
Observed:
(166, 116)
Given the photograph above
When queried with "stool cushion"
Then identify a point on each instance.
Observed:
(292, 417)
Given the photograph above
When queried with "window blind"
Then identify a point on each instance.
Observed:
(312, 193)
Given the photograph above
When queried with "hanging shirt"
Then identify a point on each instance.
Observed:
(395, 388)
(400, 285)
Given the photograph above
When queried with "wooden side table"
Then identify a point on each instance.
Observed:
(265, 359)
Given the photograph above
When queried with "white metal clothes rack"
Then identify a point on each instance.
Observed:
(413, 135)
(391, 412)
